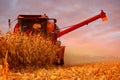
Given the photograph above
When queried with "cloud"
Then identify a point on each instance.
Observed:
(4, 8)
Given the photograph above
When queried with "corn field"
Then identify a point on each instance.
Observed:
(30, 57)
(25, 51)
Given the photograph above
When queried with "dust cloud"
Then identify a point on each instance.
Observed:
(88, 54)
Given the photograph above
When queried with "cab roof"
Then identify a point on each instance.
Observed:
(30, 16)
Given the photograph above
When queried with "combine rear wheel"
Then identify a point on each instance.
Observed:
(60, 55)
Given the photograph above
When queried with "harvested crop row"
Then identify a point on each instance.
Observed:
(93, 71)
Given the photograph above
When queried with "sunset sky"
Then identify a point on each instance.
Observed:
(95, 39)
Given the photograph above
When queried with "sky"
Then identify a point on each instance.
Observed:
(88, 43)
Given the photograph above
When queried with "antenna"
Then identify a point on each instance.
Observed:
(9, 24)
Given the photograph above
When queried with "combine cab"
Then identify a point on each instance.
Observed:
(35, 24)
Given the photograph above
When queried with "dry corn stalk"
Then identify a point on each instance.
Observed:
(6, 69)
(28, 51)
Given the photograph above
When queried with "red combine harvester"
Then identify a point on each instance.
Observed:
(36, 24)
